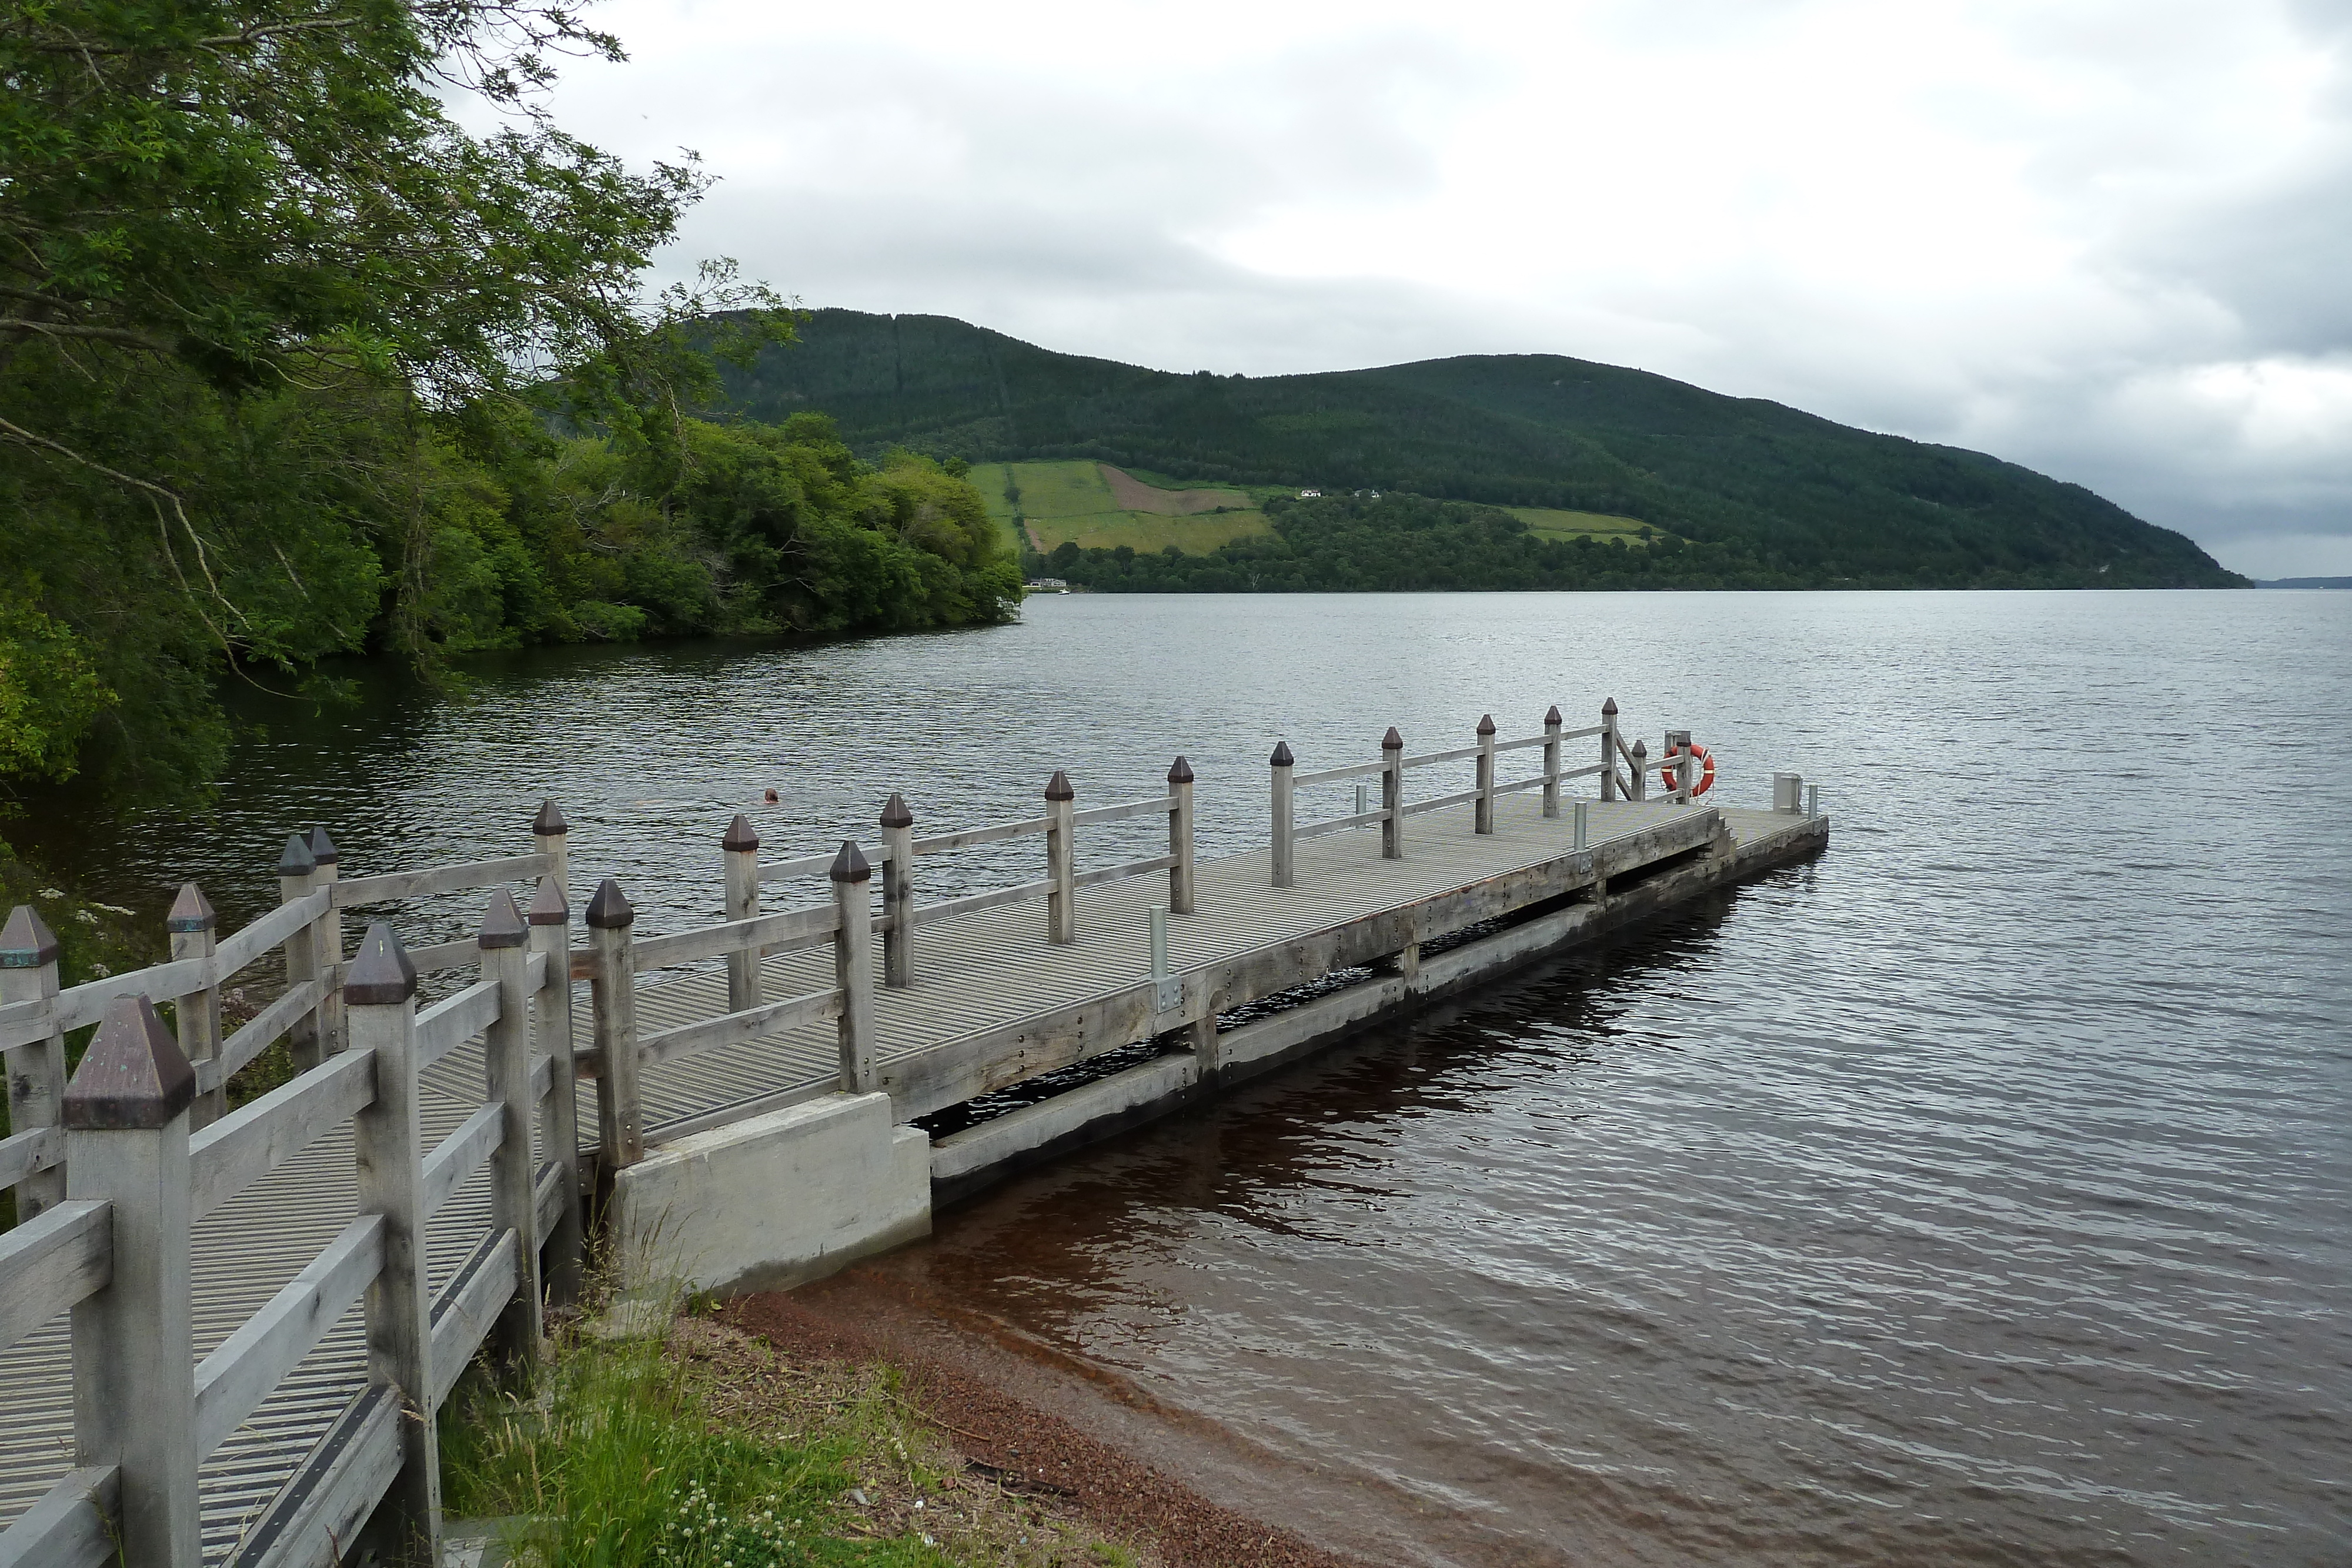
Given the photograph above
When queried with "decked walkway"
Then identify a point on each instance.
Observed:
(976, 975)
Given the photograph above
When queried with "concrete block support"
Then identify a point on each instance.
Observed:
(773, 1201)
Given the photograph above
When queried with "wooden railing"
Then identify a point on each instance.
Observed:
(116, 1249)
(1389, 815)
(620, 1052)
(306, 927)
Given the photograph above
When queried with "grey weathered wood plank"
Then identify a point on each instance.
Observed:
(733, 936)
(386, 887)
(250, 1141)
(51, 1261)
(318, 1515)
(1439, 802)
(926, 914)
(257, 1035)
(22, 1153)
(467, 1306)
(270, 930)
(733, 1028)
(1114, 872)
(460, 1155)
(71, 1527)
(1339, 824)
(1332, 775)
(452, 1020)
(1120, 812)
(233, 1381)
(971, 837)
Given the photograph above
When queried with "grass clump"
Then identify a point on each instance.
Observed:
(698, 1447)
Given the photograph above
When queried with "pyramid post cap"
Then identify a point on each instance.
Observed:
(297, 860)
(895, 813)
(133, 1078)
(28, 943)
(1179, 772)
(502, 923)
(1058, 787)
(850, 865)
(549, 823)
(1551, 716)
(608, 909)
(741, 836)
(382, 973)
(192, 911)
(1641, 747)
(1392, 741)
(1282, 757)
(548, 905)
(1608, 705)
(322, 848)
(1486, 724)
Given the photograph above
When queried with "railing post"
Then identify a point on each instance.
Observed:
(550, 836)
(388, 1139)
(1392, 796)
(1678, 749)
(1640, 770)
(1583, 825)
(296, 867)
(1609, 748)
(740, 850)
(506, 1073)
(327, 945)
(37, 1072)
(1179, 838)
(1813, 801)
(196, 1014)
(1551, 761)
(1061, 861)
(898, 891)
(853, 966)
(1483, 815)
(550, 932)
(1286, 871)
(612, 993)
(134, 1380)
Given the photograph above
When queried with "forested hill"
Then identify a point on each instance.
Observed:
(1783, 496)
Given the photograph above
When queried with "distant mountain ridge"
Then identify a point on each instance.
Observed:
(1790, 497)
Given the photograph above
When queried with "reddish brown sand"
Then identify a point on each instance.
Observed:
(964, 1389)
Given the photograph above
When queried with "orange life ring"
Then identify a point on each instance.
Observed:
(1670, 770)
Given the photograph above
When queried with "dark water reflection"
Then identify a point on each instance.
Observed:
(1974, 1194)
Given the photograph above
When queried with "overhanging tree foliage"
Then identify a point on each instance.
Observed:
(281, 344)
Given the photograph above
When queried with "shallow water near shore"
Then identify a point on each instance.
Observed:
(1976, 1193)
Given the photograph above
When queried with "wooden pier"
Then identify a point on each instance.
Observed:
(213, 1321)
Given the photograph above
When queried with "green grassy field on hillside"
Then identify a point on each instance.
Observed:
(1549, 523)
(1074, 501)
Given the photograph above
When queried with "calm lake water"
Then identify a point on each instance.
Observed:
(1977, 1193)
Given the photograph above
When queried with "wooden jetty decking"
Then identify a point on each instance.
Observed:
(991, 1000)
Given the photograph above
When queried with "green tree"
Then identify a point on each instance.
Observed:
(273, 326)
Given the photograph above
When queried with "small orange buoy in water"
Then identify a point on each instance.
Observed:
(772, 796)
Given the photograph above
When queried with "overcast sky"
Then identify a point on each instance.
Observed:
(2110, 239)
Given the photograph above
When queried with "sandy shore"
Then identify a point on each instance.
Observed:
(1187, 1493)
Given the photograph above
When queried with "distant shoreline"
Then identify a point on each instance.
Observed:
(2306, 583)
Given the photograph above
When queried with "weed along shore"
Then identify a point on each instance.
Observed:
(720, 1111)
